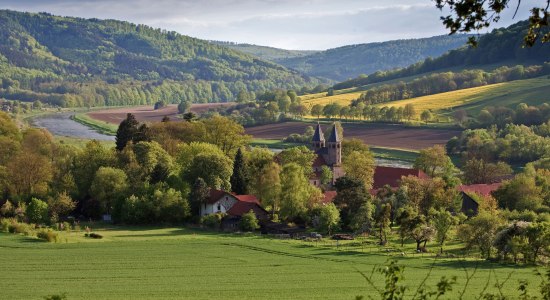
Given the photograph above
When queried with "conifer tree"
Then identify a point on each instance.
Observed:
(126, 131)
(239, 180)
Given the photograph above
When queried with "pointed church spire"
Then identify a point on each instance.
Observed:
(334, 136)
(318, 136)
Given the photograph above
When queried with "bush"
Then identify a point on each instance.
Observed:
(93, 235)
(48, 235)
(37, 211)
(5, 224)
(213, 220)
(249, 222)
(24, 228)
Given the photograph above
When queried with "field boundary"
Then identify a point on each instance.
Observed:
(99, 126)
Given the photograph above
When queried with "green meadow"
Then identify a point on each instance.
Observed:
(179, 263)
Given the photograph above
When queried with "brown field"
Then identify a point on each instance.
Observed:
(146, 113)
(380, 135)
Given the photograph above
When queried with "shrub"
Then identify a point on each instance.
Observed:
(48, 235)
(213, 220)
(56, 297)
(5, 224)
(37, 211)
(7, 210)
(249, 222)
(93, 235)
(24, 228)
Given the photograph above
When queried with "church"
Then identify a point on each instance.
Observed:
(328, 153)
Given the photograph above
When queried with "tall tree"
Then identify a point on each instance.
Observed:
(126, 131)
(351, 196)
(294, 192)
(434, 161)
(198, 196)
(360, 165)
(268, 186)
(239, 178)
(109, 186)
(443, 222)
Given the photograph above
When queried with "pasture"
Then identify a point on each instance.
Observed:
(531, 91)
(179, 263)
(342, 99)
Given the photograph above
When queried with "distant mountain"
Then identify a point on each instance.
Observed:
(502, 46)
(88, 62)
(351, 61)
(265, 52)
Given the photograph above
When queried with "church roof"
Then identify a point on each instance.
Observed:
(392, 176)
(334, 136)
(318, 135)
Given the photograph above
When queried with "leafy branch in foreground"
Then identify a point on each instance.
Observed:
(474, 15)
(395, 289)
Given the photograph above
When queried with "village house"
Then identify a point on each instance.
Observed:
(233, 205)
(470, 207)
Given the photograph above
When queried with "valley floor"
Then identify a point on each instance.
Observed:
(178, 263)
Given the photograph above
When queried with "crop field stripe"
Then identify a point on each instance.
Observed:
(178, 263)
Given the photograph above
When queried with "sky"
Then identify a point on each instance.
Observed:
(288, 24)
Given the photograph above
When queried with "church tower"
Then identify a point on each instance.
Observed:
(334, 145)
(318, 140)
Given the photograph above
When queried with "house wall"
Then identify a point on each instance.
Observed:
(224, 204)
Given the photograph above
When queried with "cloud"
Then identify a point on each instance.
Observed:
(306, 24)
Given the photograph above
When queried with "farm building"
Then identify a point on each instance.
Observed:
(470, 207)
(232, 205)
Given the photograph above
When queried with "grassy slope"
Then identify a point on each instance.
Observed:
(176, 263)
(531, 91)
(100, 126)
(342, 99)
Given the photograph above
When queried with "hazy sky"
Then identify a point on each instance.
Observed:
(289, 24)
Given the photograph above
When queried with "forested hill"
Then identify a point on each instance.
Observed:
(350, 61)
(502, 46)
(265, 52)
(80, 62)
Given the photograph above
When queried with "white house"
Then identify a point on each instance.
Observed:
(232, 205)
(219, 201)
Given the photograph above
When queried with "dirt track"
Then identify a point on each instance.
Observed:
(147, 113)
(381, 135)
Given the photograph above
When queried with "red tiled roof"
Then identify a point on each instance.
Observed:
(328, 197)
(247, 198)
(241, 207)
(391, 176)
(481, 189)
(215, 195)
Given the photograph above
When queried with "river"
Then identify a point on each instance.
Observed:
(61, 124)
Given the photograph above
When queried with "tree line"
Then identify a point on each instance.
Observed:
(73, 62)
(502, 45)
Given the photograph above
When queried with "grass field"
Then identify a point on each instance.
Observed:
(98, 125)
(178, 263)
(531, 91)
(273, 144)
(342, 99)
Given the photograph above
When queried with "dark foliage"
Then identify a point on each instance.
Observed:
(239, 178)
(503, 45)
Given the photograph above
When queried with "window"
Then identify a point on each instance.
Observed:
(219, 207)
